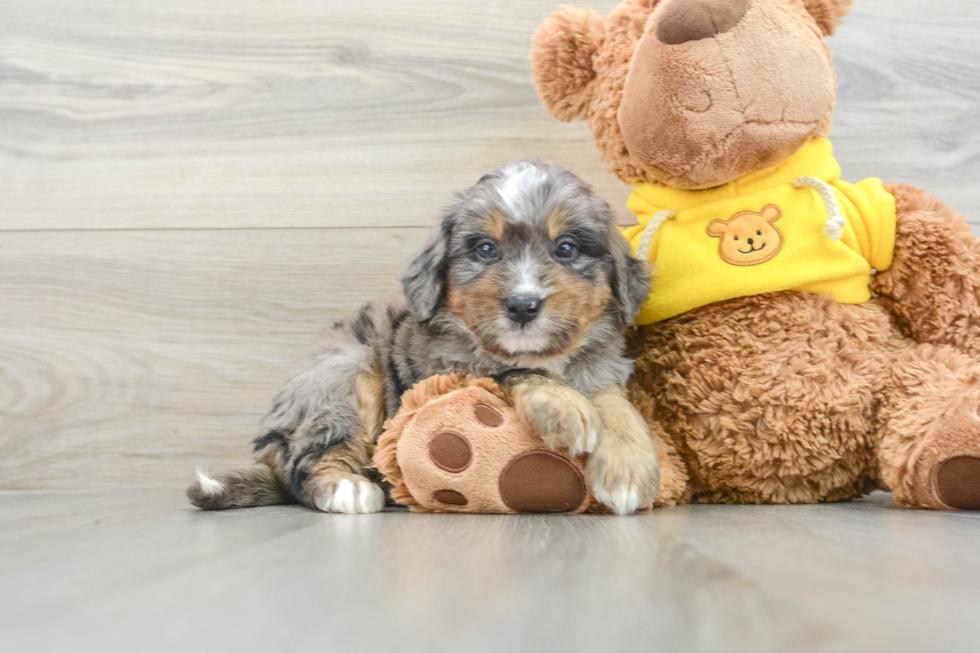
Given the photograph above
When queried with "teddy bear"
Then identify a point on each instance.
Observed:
(806, 339)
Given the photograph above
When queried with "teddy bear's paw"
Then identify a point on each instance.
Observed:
(560, 416)
(957, 482)
(622, 477)
(542, 481)
(350, 495)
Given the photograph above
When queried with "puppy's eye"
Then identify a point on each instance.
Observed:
(566, 250)
(486, 249)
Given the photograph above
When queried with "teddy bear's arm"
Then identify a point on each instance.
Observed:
(933, 284)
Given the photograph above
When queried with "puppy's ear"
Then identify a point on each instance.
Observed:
(424, 280)
(828, 13)
(631, 279)
(562, 59)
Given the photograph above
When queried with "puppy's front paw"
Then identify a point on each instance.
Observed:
(560, 416)
(350, 495)
(623, 477)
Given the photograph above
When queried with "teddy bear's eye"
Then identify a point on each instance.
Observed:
(736, 237)
(758, 233)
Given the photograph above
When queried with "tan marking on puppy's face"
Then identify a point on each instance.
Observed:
(493, 225)
(479, 302)
(557, 224)
(578, 304)
(749, 238)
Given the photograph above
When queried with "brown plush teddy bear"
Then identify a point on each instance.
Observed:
(807, 339)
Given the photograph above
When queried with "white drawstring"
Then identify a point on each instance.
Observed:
(646, 240)
(834, 229)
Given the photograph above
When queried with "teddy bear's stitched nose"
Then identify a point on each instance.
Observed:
(681, 21)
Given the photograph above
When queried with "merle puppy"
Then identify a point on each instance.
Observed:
(528, 281)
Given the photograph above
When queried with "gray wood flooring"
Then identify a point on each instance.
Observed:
(141, 571)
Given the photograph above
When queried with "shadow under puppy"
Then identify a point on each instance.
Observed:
(527, 281)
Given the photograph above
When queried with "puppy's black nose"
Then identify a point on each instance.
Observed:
(522, 309)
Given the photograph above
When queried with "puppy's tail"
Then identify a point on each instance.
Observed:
(242, 487)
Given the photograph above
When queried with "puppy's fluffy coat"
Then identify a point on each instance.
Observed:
(528, 281)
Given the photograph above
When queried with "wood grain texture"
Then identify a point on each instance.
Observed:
(190, 191)
(326, 113)
(126, 358)
(123, 114)
(145, 572)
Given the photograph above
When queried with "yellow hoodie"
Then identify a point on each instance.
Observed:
(764, 233)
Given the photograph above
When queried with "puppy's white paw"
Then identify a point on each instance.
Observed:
(350, 497)
(561, 417)
(623, 478)
(624, 500)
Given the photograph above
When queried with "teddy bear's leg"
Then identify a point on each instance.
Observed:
(930, 448)
(933, 285)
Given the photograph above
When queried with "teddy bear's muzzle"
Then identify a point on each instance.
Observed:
(681, 21)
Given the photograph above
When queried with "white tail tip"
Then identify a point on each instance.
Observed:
(209, 486)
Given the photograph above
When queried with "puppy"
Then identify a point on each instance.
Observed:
(527, 281)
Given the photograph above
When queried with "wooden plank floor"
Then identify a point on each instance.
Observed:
(190, 191)
(141, 571)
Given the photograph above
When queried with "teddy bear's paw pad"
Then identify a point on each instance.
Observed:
(542, 481)
(488, 416)
(958, 482)
(451, 452)
(451, 497)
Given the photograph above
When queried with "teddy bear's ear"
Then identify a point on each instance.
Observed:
(828, 13)
(562, 59)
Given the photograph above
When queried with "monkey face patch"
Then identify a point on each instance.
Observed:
(749, 238)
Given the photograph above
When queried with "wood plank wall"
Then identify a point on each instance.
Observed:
(190, 190)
